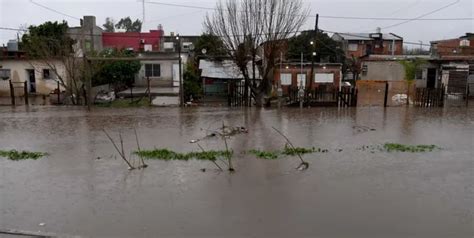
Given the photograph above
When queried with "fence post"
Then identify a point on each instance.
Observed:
(12, 93)
(59, 94)
(25, 89)
(149, 89)
(385, 102)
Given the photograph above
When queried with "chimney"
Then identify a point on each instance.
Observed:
(378, 30)
(89, 22)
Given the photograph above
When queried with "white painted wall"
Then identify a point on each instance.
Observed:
(19, 73)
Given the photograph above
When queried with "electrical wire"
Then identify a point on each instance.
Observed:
(53, 10)
(328, 16)
(423, 15)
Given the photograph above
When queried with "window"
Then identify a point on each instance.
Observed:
(148, 48)
(353, 47)
(324, 78)
(302, 80)
(365, 70)
(419, 74)
(46, 74)
(168, 45)
(88, 45)
(152, 70)
(285, 79)
(465, 43)
(391, 47)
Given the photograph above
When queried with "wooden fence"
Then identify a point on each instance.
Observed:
(426, 97)
(346, 97)
(236, 95)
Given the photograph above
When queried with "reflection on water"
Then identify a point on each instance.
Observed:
(343, 194)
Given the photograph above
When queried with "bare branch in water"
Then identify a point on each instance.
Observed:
(304, 165)
(143, 165)
(121, 153)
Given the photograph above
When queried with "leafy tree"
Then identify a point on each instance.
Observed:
(192, 84)
(49, 39)
(411, 68)
(117, 73)
(109, 25)
(128, 25)
(212, 44)
(325, 47)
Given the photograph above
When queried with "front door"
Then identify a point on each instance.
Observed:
(431, 78)
(31, 80)
(175, 75)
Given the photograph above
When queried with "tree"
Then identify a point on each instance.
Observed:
(212, 44)
(411, 68)
(49, 44)
(248, 26)
(128, 25)
(109, 25)
(117, 73)
(327, 49)
(192, 84)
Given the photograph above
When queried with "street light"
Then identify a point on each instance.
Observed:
(181, 93)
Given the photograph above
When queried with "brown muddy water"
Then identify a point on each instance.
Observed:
(351, 193)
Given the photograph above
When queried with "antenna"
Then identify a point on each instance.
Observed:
(143, 19)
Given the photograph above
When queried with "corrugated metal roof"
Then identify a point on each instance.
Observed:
(225, 69)
(366, 36)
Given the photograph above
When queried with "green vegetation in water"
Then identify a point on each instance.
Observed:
(21, 155)
(125, 103)
(287, 151)
(268, 155)
(301, 151)
(391, 147)
(168, 155)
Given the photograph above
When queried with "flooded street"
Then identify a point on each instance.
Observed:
(352, 193)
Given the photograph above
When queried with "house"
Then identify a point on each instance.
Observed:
(169, 43)
(134, 41)
(88, 36)
(297, 75)
(463, 45)
(356, 45)
(216, 75)
(389, 68)
(40, 78)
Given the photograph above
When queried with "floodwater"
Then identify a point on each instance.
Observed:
(351, 193)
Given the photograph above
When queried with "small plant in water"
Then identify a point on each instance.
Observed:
(268, 155)
(21, 155)
(390, 147)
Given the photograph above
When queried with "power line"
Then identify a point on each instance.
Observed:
(329, 16)
(53, 10)
(423, 15)
(290, 32)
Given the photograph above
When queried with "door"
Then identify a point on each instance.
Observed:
(31, 80)
(176, 75)
(431, 78)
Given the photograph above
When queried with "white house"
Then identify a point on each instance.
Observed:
(40, 78)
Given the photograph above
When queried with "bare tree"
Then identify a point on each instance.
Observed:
(248, 27)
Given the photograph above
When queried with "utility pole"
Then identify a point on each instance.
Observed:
(143, 19)
(315, 38)
(181, 93)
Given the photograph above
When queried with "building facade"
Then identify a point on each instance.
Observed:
(356, 45)
(461, 46)
(326, 76)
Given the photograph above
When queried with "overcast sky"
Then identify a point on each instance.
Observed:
(14, 13)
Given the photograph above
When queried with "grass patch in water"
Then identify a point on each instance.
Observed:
(268, 155)
(168, 155)
(21, 155)
(393, 147)
(299, 150)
